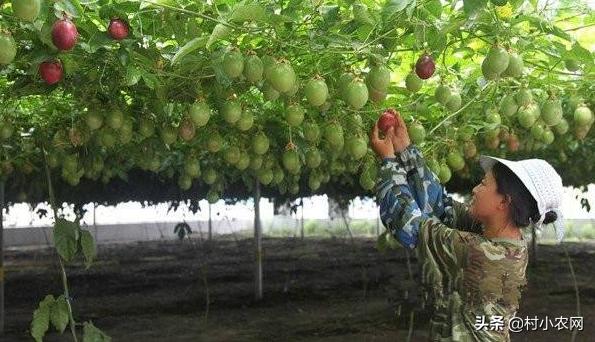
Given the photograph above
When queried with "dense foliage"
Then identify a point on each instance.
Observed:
(164, 100)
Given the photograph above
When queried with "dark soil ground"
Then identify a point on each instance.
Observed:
(314, 290)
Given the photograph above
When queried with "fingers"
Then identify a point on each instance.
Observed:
(400, 121)
(390, 133)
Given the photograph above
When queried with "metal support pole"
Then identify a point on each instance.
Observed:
(210, 224)
(302, 231)
(1, 258)
(257, 241)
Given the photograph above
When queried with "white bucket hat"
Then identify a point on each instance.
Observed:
(542, 181)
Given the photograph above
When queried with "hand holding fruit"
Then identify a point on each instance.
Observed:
(383, 147)
(400, 137)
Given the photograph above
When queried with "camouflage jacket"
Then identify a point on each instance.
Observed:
(473, 280)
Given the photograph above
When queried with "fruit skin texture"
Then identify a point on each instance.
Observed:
(233, 63)
(313, 158)
(523, 97)
(551, 112)
(356, 94)
(245, 122)
(508, 106)
(6, 130)
(442, 94)
(417, 133)
(358, 148)
(51, 71)
(344, 80)
(270, 93)
(282, 77)
(334, 135)
(187, 130)
(515, 66)
(200, 113)
(454, 102)
(231, 111)
(562, 127)
(291, 161)
(496, 61)
(444, 174)
(253, 69)
(528, 115)
(8, 48)
(387, 120)
(94, 120)
(316, 92)
(294, 115)
(425, 67)
(64, 34)
(378, 77)
(169, 135)
(260, 144)
(118, 29)
(26, 10)
(413, 83)
(376, 96)
(311, 132)
(455, 160)
(583, 116)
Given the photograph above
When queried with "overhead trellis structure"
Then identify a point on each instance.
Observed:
(158, 100)
(209, 97)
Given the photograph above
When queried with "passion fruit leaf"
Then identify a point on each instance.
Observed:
(189, 47)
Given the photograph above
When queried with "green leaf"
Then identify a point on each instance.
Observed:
(97, 41)
(93, 334)
(362, 15)
(123, 56)
(472, 6)
(150, 80)
(581, 54)
(220, 31)
(247, 12)
(434, 7)
(393, 6)
(66, 235)
(545, 26)
(157, 3)
(59, 314)
(88, 247)
(192, 45)
(41, 318)
(45, 35)
(65, 6)
(133, 75)
(436, 40)
(463, 52)
(330, 13)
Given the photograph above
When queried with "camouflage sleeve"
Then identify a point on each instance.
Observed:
(399, 211)
(430, 195)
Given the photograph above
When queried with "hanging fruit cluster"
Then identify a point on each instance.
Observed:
(294, 112)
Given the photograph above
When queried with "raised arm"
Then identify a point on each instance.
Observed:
(401, 215)
(430, 195)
